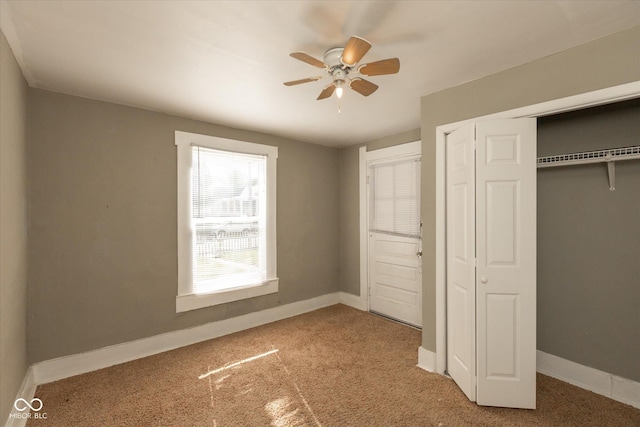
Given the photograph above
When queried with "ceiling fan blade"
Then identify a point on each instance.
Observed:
(363, 87)
(297, 82)
(379, 68)
(355, 49)
(305, 57)
(327, 91)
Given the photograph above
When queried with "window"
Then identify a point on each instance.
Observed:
(395, 197)
(226, 220)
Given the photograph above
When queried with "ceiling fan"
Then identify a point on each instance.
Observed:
(340, 64)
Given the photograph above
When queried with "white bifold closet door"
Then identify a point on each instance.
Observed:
(491, 261)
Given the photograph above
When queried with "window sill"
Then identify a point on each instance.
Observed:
(194, 302)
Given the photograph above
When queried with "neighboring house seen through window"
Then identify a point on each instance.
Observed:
(226, 220)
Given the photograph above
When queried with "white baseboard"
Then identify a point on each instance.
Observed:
(353, 301)
(68, 366)
(27, 391)
(609, 385)
(426, 359)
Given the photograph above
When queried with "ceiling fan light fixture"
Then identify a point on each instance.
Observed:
(339, 89)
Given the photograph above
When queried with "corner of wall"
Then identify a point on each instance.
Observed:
(13, 228)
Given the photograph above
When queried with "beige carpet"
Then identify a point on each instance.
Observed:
(332, 367)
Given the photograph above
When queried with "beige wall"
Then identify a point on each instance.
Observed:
(589, 242)
(103, 248)
(13, 228)
(603, 63)
(350, 208)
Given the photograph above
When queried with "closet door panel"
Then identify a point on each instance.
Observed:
(461, 272)
(506, 267)
(502, 222)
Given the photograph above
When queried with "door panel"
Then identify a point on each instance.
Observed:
(392, 248)
(501, 207)
(395, 279)
(461, 260)
(506, 259)
(396, 295)
(502, 335)
(460, 247)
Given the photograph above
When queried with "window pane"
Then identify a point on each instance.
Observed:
(395, 198)
(228, 219)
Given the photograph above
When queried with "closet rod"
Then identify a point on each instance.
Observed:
(610, 156)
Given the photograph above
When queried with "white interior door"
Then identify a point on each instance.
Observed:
(506, 275)
(395, 275)
(500, 241)
(461, 258)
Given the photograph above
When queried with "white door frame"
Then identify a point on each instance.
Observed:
(588, 99)
(402, 150)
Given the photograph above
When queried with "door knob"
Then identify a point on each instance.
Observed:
(419, 253)
(484, 279)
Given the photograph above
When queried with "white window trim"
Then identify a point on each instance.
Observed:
(186, 300)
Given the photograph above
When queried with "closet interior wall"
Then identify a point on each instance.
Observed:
(588, 252)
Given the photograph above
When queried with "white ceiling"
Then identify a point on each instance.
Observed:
(225, 61)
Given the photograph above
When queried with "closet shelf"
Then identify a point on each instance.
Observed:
(610, 156)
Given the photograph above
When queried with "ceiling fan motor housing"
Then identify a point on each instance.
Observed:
(333, 56)
(338, 71)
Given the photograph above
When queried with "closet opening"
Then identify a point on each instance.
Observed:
(588, 239)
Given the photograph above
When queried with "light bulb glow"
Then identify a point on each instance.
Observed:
(339, 92)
